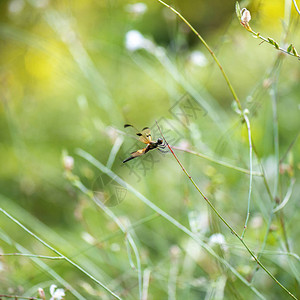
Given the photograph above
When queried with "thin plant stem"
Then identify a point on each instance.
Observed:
(119, 231)
(115, 149)
(296, 7)
(129, 239)
(271, 214)
(276, 150)
(273, 210)
(294, 255)
(219, 162)
(251, 173)
(42, 266)
(32, 255)
(18, 297)
(60, 254)
(289, 148)
(263, 173)
(263, 244)
(146, 280)
(233, 93)
(225, 222)
(276, 138)
(209, 50)
(290, 50)
(285, 237)
(173, 273)
(286, 198)
(166, 216)
(257, 34)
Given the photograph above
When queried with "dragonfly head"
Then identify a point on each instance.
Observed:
(159, 141)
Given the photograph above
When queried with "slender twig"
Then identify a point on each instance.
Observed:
(267, 40)
(57, 252)
(129, 240)
(276, 145)
(43, 266)
(166, 216)
(115, 149)
(173, 273)
(130, 227)
(263, 173)
(18, 297)
(284, 233)
(263, 243)
(251, 173)
(32, 255)
(286, 198)
(289, 148)
(209, 50)
(296, 7)
(232, 91)
(276, 137)
(294, 255)
(271, 213)
(224, 221)
(219, 162)
(146, 279)
(291, 50)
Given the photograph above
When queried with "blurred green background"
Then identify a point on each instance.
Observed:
(73, 73)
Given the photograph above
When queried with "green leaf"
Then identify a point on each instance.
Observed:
(271, 41)
(295, 51)
(238, 10)
(276, 45)
(289, 48)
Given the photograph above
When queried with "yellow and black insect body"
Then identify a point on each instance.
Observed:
(145, 137)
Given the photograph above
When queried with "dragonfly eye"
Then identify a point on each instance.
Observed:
(159, 141)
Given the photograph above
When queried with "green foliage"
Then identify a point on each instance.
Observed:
(72, 74)
(238, 10)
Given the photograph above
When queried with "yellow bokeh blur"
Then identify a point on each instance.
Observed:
(38, 64)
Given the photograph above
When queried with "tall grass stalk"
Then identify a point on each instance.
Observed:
(225, 222)
(57, 252)
(166, 216)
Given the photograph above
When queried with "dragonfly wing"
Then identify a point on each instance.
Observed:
(146, 134)
(135, 154)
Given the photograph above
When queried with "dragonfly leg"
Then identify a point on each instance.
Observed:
(163, 151)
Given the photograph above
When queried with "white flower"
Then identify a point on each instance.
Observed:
(218, 239)
(41, 293)
(57, 294)
(198, 58)
(246, 16)
(68, 162)
(134, 40)
(136, 8)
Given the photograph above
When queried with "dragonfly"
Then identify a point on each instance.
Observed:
(145, 137)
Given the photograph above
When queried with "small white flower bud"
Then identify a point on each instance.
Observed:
(41, 293)
(246, 16)
(68, 162)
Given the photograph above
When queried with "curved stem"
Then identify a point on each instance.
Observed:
(57, 252)
(251, 174)
(166, 216)
(209, 50)
(219, 162)
(225, 222)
